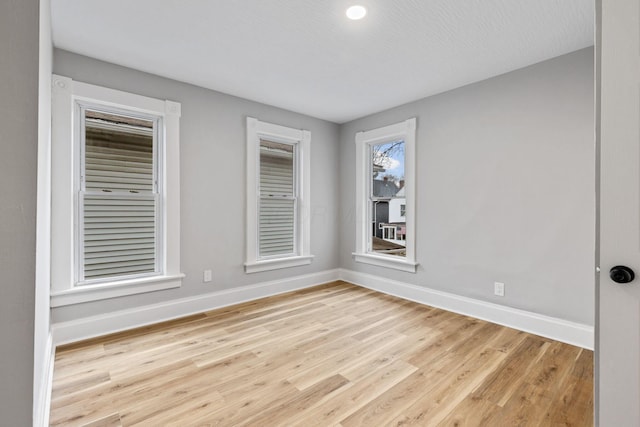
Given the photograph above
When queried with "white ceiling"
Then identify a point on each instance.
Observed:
(306, 56)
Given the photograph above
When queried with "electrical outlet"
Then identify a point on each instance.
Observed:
(498, 288)
(206, 277)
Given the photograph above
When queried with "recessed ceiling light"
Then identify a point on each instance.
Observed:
(356, 12)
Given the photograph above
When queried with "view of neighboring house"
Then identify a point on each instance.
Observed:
(397, 207)
(389, 211)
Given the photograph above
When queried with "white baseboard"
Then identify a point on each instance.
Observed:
(43, 404)
(103, 324)
(550, 327)
(89, 327)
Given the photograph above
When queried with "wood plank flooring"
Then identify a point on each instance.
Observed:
(333, 355)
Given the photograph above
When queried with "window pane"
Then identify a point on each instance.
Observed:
(119, 235)
(277, 199)
(276, 228)
(276, 169)
(388, 233)
(118, 153)
(119, 202)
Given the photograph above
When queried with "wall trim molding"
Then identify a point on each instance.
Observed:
(43, 405)
(573, 333)
(107, 323)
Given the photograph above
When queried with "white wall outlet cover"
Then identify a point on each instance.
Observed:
(498, 288)
(206, 277)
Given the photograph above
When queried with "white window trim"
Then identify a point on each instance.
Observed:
(65, 157)
(364, 140)
(257, 130)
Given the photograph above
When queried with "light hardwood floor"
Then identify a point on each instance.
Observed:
(331, 355)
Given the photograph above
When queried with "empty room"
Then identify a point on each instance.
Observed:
(307, 213)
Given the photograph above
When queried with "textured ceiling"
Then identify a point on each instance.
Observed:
(305, 56)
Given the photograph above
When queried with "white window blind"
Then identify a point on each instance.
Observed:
(119, 197)
(277, 207)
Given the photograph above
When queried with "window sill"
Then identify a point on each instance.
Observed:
(275, 264)
(386, 261)
(87, 293)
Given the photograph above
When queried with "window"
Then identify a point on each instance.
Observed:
(386, 193)
(115, 187)
(385, 188)
(277, 197)
(277, 207)
(119, 196)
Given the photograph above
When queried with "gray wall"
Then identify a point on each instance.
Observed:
(212, 141)
(505, 188)
(19, 22)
